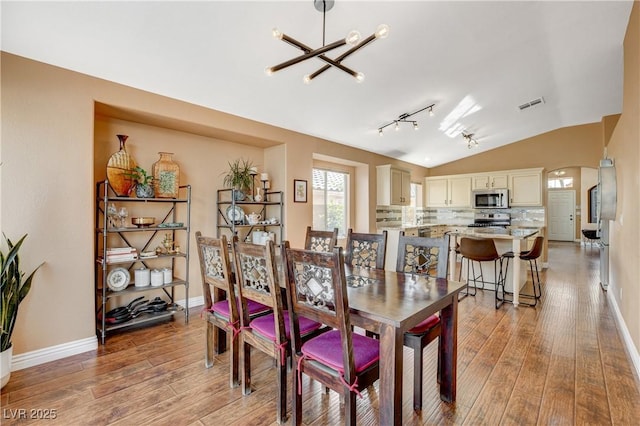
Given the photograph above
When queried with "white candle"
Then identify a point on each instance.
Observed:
(264, 176)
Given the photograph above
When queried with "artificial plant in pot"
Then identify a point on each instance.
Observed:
(143, 182)
(14, 288)
(240, 178)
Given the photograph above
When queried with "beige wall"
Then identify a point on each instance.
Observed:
(58, 130)
(623, 148)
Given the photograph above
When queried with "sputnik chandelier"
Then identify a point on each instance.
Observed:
(353, 39)
(404, 118)
(471, 142)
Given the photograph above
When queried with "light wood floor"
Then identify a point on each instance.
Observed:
(561, 363)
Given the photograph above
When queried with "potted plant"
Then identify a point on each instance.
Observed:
(144, 183)
(13, 289)
(240, 178)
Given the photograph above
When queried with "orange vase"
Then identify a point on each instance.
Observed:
(119, 168)
(166, 176)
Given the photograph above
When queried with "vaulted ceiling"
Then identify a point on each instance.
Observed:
(476, 61)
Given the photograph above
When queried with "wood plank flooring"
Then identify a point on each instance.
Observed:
(560, 363)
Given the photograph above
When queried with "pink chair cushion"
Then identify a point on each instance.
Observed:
(327, 349)
(222, 308)
(425, 325)
(265, 325)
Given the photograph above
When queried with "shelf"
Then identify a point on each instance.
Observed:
(144, 228)
(144, 200)
(100, 259)
(143, 318)
(132, 289)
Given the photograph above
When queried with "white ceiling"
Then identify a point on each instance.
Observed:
(494, 55)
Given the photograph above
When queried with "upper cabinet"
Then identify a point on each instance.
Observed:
(393, 186)
(489, 181)
(448, 191)
(525, 187)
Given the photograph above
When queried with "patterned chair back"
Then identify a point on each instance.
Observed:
(422, 255)
(366, 250)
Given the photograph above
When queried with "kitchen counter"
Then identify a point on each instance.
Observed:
(517, 237)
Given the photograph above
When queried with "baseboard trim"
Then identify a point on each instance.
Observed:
(53, 353)
(63, 350)
(626, 337)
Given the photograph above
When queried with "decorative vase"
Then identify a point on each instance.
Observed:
(5, 365)
(239, 195)
(166, 176)
(144, 191)
(119, 168)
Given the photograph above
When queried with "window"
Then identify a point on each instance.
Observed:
(559, 183)
(330, 200)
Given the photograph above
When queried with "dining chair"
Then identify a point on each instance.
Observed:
(321, 240)
(257, 278)
(366, 250)
(339, 359)
(221, 313)
(425, 256)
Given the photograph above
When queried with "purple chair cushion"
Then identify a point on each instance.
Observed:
(222, 308)
(327, 349)
(425, 325)
(265, 325)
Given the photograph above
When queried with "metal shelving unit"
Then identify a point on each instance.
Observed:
(273, 208)
(108, 236)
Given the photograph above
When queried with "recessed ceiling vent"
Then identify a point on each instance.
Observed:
(532, 103)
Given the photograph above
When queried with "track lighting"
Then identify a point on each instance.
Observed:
(353, 39)
(403, 118)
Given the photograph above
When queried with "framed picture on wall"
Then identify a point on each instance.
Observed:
(299, 191)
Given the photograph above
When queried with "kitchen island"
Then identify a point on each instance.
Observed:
(514, 239)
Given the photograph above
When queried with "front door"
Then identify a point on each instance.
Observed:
(562, 209)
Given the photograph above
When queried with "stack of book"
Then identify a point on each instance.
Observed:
(121, 254)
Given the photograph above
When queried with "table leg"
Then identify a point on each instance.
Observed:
(448, 351)
(391, 343)
(516, 271)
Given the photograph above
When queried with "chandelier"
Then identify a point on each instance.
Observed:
(353, 39)
(404, 118)
(471, 142)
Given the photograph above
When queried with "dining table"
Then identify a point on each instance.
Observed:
(390, 303)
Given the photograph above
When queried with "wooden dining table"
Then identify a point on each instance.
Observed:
(390, 303)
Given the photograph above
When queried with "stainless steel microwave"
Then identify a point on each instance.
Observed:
(490, 198)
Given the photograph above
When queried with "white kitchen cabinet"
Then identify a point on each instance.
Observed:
(525, 187)
(393, 186)
(451, 191)
(489, 181)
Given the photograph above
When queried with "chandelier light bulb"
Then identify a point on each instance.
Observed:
(382, 31)
(306, 79)
(276, 33)
(431, 114)
(353, 38)
(359, 77)
(397, 127)
(415, 125)
(380, 132)
(268, 71)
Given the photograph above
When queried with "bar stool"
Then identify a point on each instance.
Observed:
(484, 250)
(531, 256)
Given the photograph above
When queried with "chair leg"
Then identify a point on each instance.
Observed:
(350, 408)
(235, 364)
(535, 262)
(208, 354)
(417, 377)
(245, 360)
(282, 392)
(296, 409)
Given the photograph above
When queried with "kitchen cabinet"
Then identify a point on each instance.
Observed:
(393, 186)
(448, 191)
(525, 187)
(160, 249)
(489, 181)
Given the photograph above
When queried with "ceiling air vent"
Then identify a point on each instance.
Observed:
(532, 103)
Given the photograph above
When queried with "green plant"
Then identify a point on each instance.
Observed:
(140, 176)
(13, 289)
(239, 175)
